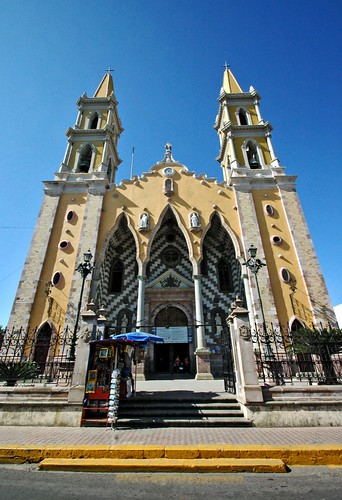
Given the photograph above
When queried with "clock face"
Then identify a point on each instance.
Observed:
(168, 171)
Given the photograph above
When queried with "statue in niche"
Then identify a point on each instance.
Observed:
(124, 323)
(218, 324)
(195, 222)
(144, 221)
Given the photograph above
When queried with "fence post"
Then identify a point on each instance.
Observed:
(248, 389)
(77, 389)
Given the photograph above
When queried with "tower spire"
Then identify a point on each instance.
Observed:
(92, 142)
(106, 87)
(230, 84)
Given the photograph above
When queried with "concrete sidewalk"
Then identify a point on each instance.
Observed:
(182, 387)
(180, 436)
(177, 449)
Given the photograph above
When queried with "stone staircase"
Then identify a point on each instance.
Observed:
(148, 412)
(172, 402)
(161, 411)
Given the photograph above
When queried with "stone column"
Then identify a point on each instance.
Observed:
(274, 159)
(257, 109)
(140, 375)
(103, 165)
(141, 301)
(248, 389)
(87, 332)
(233, 161)
(202, 353)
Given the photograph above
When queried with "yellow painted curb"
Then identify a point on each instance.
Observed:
(292, 454)
(164, 465)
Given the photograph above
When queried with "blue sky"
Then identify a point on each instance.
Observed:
(167, 58)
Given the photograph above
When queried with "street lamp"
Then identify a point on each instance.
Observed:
(254, 265)
(84, 269)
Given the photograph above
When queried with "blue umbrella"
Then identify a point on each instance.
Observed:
(140, 337)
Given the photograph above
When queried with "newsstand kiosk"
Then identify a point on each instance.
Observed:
(104, 384)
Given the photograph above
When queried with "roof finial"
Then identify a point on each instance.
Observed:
(168, 153)
(109, 70)
(168, 158)
(226, 66)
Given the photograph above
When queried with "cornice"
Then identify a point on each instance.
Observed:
(244, 178)
(246, 130)
(94, 101)
(233, 99)
(90, 131)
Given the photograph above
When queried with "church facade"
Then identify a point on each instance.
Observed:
(169, 247)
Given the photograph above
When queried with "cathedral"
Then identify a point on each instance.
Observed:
(171, 251)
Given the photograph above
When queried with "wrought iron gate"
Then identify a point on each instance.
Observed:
(228, 362)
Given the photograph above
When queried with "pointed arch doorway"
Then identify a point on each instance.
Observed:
(42, 346)
(172, 357)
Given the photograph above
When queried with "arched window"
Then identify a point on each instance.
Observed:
(85, 159)
(225, 276)
(168, 187)
(243, 117)
(109, 170)
(116, 277)
(253, 156)
(94, 121)
(296, 326)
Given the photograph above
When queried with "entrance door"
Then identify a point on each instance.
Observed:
(172, 356)
(162, 357)
(42, 347)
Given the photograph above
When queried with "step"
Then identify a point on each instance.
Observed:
(183, 422)
(174, 404)
(127, 412)
(164, 465)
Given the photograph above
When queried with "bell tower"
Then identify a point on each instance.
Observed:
(69, 219)
(245, 138)
(91, 152)
(270, 215)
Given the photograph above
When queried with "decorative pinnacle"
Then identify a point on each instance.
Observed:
(168, 158)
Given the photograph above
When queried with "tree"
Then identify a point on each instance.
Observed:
(325, 343)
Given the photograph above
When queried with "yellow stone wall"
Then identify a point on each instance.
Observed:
(59, 260)
(280, 256)
(199, 196)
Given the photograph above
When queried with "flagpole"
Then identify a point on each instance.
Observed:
(132, 163)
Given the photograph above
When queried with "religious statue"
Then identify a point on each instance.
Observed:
(144, 221)
(195, 222)
(124, 323)
(218, 323)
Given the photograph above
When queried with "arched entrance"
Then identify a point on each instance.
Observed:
(173, 355)
(42, 346)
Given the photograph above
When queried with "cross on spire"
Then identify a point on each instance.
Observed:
(109, 70)
(226, 66)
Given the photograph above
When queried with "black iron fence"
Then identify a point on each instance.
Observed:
(38, 356)
(310, 356)
(229, 378)
(313, 356)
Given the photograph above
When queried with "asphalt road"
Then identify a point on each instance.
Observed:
(26, 482)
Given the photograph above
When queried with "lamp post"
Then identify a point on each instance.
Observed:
(254, 265)
(84, 269)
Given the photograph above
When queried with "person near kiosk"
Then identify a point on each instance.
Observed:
(127, 382)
